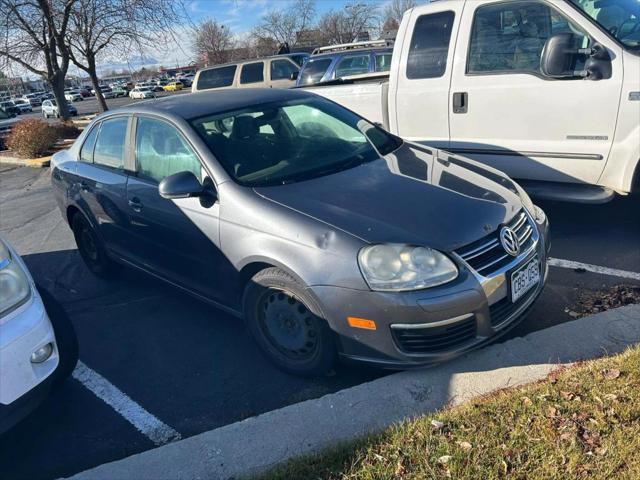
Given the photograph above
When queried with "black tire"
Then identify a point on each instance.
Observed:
(92, 249)
(66, 338)
(285, 321)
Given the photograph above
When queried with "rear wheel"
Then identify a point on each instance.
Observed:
(285, 322)
(91, 248)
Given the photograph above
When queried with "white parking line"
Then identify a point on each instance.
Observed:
(614, 272)
(146, 423)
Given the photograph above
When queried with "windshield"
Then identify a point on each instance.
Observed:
(288, 142)
(621, 18)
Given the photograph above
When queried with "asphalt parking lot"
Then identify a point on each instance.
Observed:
(194, 368)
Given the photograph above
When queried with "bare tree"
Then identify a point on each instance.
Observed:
(33, 37)
(395, 10)
(99, 27)
(284, 25)
(213, 42)
(344, 26)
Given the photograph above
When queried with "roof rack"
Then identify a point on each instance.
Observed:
(353, 46)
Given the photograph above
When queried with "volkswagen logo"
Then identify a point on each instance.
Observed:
(509, 241)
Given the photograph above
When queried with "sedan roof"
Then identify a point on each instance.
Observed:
(194, 105)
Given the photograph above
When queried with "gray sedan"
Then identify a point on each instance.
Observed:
(329, 236)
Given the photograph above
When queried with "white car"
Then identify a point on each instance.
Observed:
(73, 96)
(142, 92)
(23, 105)
(38, 346)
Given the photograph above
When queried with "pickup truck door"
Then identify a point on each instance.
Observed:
(506, 113)
(422, 66)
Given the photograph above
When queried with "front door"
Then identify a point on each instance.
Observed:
(513, 117)
(176, 239)
(280, 71)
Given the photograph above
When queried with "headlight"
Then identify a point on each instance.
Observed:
(392, 267)
(539, 215)
(14, 285)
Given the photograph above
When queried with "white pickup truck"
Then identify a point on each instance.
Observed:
(547, 91)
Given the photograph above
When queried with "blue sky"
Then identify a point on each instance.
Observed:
(242, 15)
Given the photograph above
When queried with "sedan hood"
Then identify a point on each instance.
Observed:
(414, 195)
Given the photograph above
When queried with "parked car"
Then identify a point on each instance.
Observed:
(323, 231)
(276, 72)
(47, 96)
(120, 92)
(6, 124)
(344, 61)
(103, 89)
(11, 108)
(84, 92)
(511, 94)
(50, 109)
(23, 105)
(142, 93)
(172, 87)
(299, 58)
(73, 96)
(33, 99)
(38, 346)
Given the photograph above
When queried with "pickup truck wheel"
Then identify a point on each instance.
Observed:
(66, 339)
(284, 320)
(91, 248)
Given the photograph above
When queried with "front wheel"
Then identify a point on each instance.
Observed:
(285, 321)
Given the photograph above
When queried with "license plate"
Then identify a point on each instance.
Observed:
(524, 279)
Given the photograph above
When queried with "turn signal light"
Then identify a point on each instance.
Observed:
(356, 322)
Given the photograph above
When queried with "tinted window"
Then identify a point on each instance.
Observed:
(109, 150)
(86, 154)
(383, 62)
(353, 65)
(252, 73)
(430, 46)
(161, 151)
(509, 37)
(285, 142)
(282, 69)
(314, 70)
(216, 77)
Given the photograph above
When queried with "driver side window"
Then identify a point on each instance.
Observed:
(162, 151)
(509, 37)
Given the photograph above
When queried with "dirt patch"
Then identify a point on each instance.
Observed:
(599, 301)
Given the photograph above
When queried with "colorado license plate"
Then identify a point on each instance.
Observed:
(525, 278)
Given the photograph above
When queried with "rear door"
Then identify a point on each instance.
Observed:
(418, 94)
(515, 118)
(252, 75)
(102, 181)
(177, 239)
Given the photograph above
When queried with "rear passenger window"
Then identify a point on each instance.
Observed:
(430, 46)
(383, 62)
(252, 73)
(282, 69)
(216, 77)
(109, 149)
(86, 153)
(354, 65)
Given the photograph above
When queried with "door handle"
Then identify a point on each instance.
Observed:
(460, 102)
(135, 204)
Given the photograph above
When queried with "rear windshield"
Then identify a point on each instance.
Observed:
(216, 77)
(292, 141)
(314, 70)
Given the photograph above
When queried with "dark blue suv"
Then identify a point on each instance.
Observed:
(324, 67)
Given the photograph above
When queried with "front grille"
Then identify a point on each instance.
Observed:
(435, 339)
(487, 255)
(502, 310)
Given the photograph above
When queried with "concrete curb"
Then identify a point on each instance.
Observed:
(253, 445)
(41, 162)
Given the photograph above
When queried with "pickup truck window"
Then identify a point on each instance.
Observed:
(621, 18)
(216, 77)
(429, 47)
(252, 73)
(282, 69)
(383, 62)
(352, 65)
(509, 37)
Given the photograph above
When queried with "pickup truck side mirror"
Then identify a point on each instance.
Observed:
(184, 185)
(560, 56)
(294, 76)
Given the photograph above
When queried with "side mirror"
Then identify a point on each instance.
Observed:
(181, 185)
(294, 76)
(560, 57)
